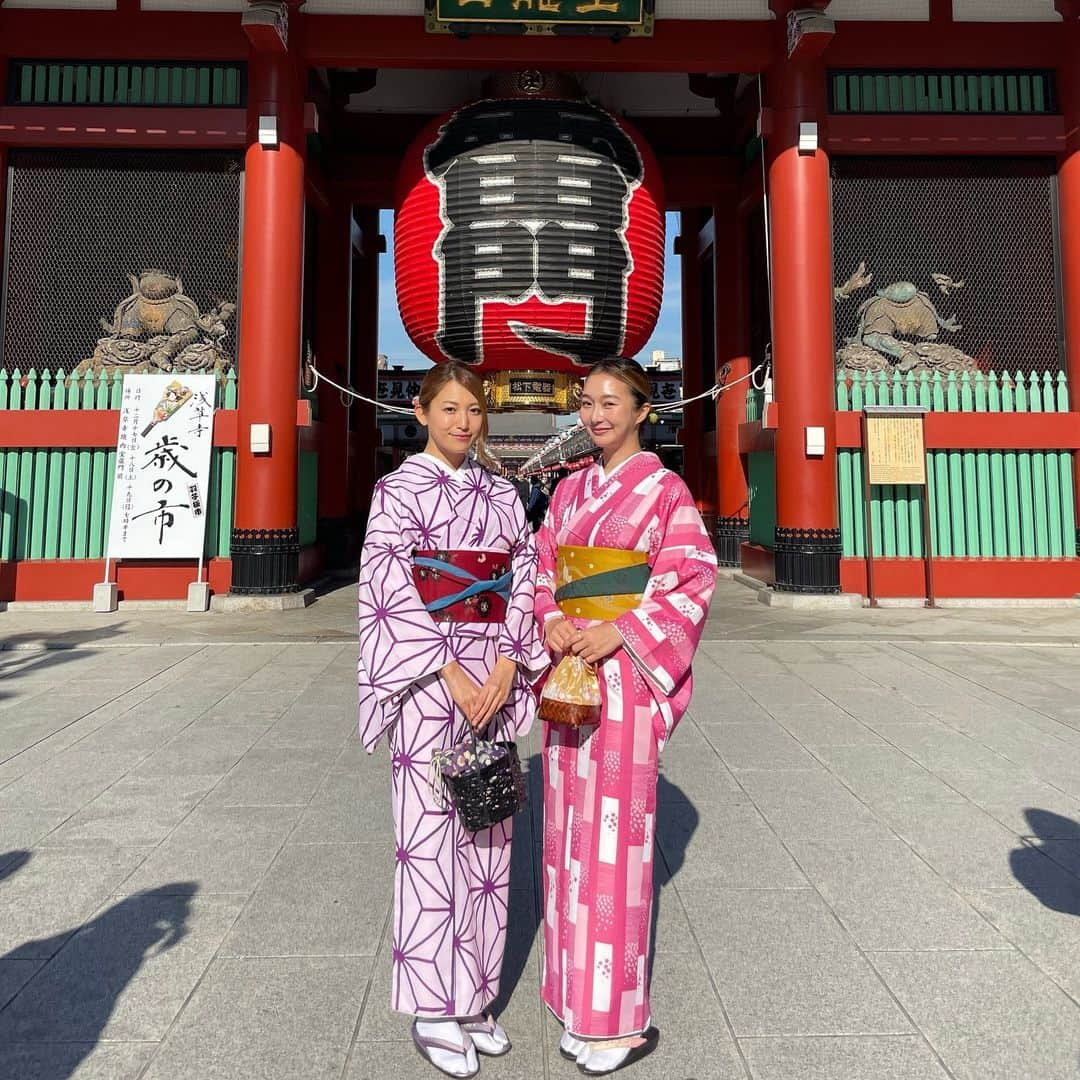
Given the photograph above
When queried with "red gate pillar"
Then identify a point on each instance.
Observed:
(732, 364)
(807, 547)
(365, 433)
(333, 357)
(1069, 212)
(265, 544)
(692, 427)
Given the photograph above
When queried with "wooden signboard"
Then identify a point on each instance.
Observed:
(894, 452)
(895, 449)
(618, 17)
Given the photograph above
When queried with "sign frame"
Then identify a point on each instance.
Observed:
(181, 469)
(438, 19)
(918, 475)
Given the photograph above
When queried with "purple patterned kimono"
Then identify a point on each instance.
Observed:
(450, 886)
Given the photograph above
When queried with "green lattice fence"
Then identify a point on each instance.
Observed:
(54, 502)
(984, 503)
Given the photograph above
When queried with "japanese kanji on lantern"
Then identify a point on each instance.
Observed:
(529, 234)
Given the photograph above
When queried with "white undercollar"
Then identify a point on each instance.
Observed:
(608, 475)
(455, 473)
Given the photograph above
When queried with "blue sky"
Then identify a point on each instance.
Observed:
(395, 343)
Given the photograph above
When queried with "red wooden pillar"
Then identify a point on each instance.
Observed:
(365, 432)
(1069, 211)
(333, 355)
(807, 547)
(265, 541)
(732, 364)
(690, 273)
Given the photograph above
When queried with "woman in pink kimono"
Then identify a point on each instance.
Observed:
(447, 637)
(625, 579)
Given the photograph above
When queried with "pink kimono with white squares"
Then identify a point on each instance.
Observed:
(600, 783)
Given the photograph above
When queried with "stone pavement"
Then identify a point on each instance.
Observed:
(870, 841)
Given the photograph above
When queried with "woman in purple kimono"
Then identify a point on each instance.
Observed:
(436, 654)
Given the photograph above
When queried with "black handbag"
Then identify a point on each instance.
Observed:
(481, 778)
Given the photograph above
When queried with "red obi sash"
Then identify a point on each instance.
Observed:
(463, 586)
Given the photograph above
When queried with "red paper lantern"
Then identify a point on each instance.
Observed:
(529, 233)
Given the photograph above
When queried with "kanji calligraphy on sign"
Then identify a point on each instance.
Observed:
(895, 449)
(162, 467)
(540, 16)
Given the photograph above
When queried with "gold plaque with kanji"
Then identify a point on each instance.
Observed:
(896, 450)
(622, 17)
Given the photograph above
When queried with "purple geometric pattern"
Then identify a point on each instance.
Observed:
(450, 886)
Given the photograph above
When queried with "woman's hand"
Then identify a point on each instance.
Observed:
(492, 696)
(462, 689)
(598, 641)
(560, 634)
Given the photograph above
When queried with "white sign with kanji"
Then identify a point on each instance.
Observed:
(162, 474)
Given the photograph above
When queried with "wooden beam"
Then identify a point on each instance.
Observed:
(122, 126)
(114, 35)
(936, 134)
(981, 431)
(396, 42)
(953, 45)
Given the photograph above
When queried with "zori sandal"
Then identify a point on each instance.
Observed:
(571, 1047)
(454, 1059)
(487, 1035)
(601, 1061)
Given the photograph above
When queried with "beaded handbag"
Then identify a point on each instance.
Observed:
(481, 778)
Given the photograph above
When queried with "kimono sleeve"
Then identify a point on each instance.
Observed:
(547, 551)
(518, 637)
(399, 641)
(662, 633)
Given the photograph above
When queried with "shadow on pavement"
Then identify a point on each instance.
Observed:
(1028, 862)
(22, 654)
(12, 861)
(672, 808)
(526, 899)
(55, 1021)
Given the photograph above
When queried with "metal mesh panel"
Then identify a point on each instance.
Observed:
(966, 243)
(81, 221)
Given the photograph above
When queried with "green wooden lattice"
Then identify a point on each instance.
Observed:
(54, 502)
(983, 503)
(995, 93)
(74, 82)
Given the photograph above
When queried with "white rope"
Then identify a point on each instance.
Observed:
(713, 392)
(353, 394)
(537, 460)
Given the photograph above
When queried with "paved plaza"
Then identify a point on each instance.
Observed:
(869, 830)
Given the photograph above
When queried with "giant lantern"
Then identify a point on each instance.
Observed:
(529, 241)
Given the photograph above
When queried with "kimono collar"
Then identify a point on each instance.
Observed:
(637, 465)
(456, 474)
(608, 475)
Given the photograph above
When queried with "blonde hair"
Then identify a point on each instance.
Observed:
(455, 371)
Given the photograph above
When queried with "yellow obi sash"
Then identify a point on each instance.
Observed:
(599, 583)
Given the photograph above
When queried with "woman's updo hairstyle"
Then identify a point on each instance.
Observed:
(455, 371)
(626, 371)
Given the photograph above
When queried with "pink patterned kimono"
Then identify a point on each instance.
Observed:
(450, 886)
(600, 783)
